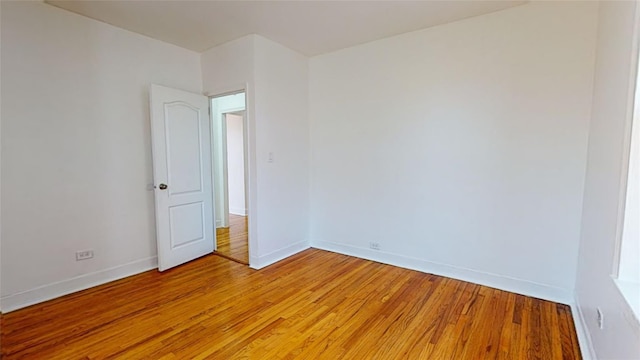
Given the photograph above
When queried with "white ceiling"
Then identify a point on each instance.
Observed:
(309, 27)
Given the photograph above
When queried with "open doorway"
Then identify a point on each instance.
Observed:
(230, 176)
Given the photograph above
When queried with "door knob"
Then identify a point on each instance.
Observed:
(162, 186)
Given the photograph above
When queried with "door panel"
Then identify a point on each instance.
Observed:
(185, 160)
(186, 224)
(181, 143)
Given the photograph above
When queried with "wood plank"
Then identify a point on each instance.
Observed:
(316, 304)
(233, 242)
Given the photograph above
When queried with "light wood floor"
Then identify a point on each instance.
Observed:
(233, 241)
(314, 305)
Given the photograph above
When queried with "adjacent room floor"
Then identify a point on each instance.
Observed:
(313, 305)
(233, 241)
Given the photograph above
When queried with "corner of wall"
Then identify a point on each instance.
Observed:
(584, 338)
(496, 281)
(68, 286)
(259, 262)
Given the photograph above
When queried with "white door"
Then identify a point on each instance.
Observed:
(181, 147)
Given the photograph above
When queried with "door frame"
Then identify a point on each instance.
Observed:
(250, 162)
(225, 155)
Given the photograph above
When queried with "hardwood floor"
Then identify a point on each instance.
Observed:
(233, 241)
(314, 305)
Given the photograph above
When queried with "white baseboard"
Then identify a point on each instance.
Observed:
(238, 211)
(584, 338)
(51, 291)
(519, 286)
(273, 257)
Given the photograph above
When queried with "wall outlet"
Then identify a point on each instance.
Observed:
(84, 255)
(374, 245)
(600, 318)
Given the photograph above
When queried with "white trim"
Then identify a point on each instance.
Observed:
(235, 110)
(584, 338)
(275, 256)
(519, 286)
(237, 211)
(632, 98)
(225, 155)
(57, 289)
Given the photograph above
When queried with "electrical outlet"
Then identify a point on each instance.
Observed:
(374, 245)
(84, 255)
(600, 318)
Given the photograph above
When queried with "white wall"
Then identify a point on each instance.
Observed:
(76, 154)
(275, 79)
(630, 246)
(0, 169)
(614, 75)
(282, 128)
(235, 164)
(459, 149)
(229, 67)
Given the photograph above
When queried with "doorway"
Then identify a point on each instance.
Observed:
(230, 176)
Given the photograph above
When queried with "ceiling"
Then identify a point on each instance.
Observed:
(309, 27)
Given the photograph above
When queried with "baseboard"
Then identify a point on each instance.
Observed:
(496, 281)
(584, 338)
(259, 262)
(218, 223)
(51, 291)
(237, 211)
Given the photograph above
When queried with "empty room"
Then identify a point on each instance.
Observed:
(319, 179)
